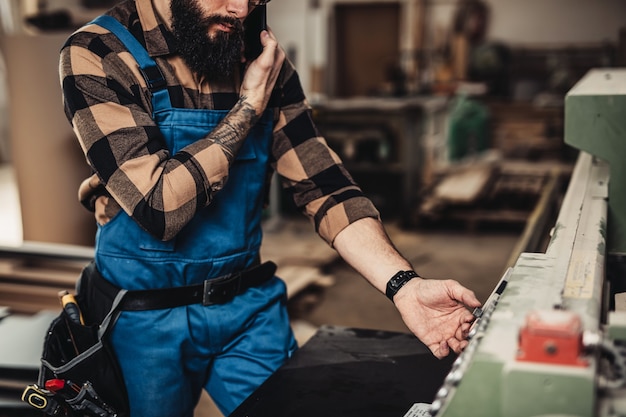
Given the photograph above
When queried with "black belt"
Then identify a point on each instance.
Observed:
(212, 291)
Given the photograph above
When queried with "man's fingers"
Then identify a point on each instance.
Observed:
(463, 331)
(456, 343)
(268, 38)
(463, 295)
(462, 345)
(440, 350)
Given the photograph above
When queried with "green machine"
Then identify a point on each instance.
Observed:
(550, 342)
(595, 122)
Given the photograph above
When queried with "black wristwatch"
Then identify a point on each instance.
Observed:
(397, 281)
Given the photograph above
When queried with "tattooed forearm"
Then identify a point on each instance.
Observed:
(233, 129)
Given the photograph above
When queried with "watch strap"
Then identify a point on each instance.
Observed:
(397, 281)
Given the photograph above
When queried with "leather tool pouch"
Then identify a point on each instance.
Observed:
(78, 358)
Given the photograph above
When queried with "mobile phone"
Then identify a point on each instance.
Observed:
(254, 23)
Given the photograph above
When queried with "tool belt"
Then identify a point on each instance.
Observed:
(79, 373)
(212, 291)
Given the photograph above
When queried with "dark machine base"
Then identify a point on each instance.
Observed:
(348, 372)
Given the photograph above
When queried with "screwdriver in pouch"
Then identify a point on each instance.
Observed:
(71, 307)
(66, 388)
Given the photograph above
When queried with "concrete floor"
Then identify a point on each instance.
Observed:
(476, 259)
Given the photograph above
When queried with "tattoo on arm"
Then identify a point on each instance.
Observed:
(233, 129)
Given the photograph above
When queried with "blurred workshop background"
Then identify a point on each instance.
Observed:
(448, 113)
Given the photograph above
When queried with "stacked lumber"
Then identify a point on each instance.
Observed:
(301, 255)
(498, 193)
(32, 275)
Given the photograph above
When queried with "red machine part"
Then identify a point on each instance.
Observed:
(552, 337)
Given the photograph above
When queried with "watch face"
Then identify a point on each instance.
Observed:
(396, 281)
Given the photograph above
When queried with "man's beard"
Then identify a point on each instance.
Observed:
(214, 58)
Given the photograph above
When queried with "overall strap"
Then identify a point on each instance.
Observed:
(148, 66)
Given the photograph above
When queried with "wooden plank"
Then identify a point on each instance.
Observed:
(299, 253)
(497, 216)
(17, 271)
(538, 221)
(464, 186)
(298, 277)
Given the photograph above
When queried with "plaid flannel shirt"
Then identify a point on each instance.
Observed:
(107, 102)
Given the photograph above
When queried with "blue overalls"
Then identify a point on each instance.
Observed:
(168, 356)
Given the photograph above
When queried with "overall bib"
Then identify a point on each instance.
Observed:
(168, 356)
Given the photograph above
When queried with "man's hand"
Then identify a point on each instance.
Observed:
(437, 312)
(262, 73)
(256, 89)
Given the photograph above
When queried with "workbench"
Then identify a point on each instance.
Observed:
(387, 144)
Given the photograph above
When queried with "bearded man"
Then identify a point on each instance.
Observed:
(183, 135)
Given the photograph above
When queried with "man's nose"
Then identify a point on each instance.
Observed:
(237, 8)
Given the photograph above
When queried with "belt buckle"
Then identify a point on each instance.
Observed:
(221, 290)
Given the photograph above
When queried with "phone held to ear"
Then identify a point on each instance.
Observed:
(255, 22)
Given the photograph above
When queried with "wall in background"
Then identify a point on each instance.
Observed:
(557, 21)
(4, 114)
(296, 23)
(47, 160)
(303, 26)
